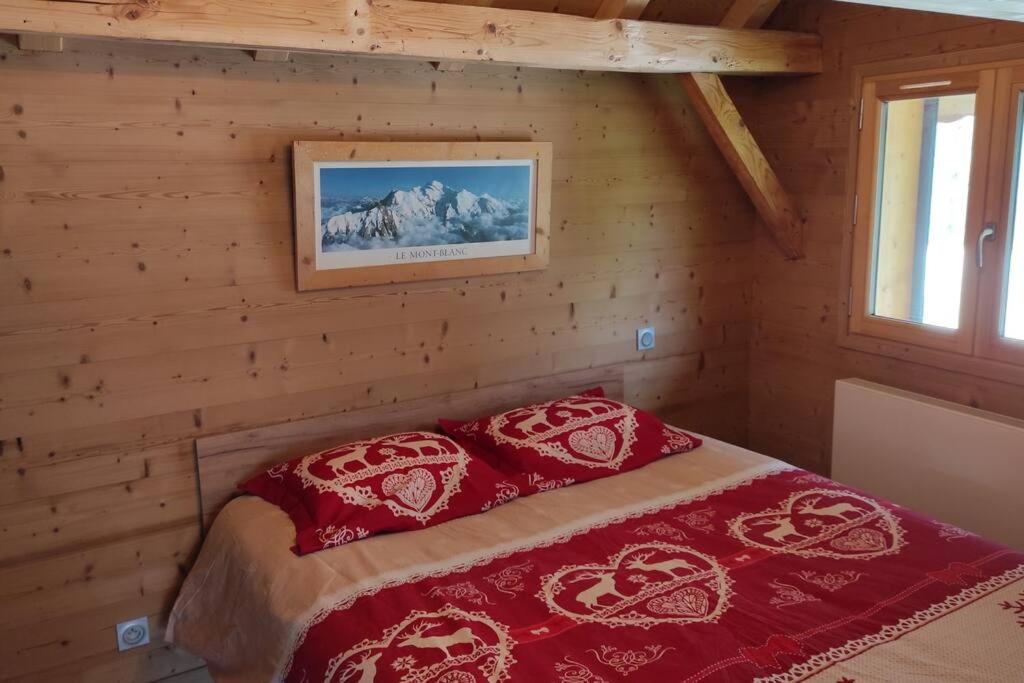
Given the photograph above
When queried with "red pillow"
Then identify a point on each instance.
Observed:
(580, 437)
(391, 483)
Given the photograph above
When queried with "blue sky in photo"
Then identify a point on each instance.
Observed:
(511, 183)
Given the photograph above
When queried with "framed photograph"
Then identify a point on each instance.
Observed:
(369, 213)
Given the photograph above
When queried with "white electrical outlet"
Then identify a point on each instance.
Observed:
(132, 633)
(644, 338)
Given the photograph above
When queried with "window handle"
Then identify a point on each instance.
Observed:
(989, 233)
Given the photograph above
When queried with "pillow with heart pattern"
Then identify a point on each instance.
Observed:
(581, 437)
(391, 483)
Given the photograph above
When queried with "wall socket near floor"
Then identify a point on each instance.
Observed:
(132, 633)
(644, 338)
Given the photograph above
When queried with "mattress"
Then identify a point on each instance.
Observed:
(715, 565)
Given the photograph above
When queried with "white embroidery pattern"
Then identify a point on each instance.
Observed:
(411, 480)
(699, 520)
(592, 434)
(626, 662)
(571, 671)
(461, 590)
(507, 492)
(675, 440)
(509, 580)
(845, 525)
(449, 631)
(542, 484)
(331, 536)
(951, 532)
(679, 585)
(816, 663)
(788, 594)
(277, 471)
(812, 479)
(662, 529)
(828, 581)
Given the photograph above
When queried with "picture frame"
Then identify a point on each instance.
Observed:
(371, 213)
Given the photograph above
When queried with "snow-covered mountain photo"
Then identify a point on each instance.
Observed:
(388, 207)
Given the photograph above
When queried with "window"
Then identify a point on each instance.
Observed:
(937, 255)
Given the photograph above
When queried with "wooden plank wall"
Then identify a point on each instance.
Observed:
(804, 126)
(146, 295)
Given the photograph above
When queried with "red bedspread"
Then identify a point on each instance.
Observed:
(777, 578)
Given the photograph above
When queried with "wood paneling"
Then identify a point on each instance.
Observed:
(805, 127)
(147, 295)
(1007, 10)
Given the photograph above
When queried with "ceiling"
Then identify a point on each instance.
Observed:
(706, 12)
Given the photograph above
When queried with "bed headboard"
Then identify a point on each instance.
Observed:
(223, 460)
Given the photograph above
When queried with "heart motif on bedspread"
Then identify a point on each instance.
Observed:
(860, 540)
(580, 430)
(641, 585)
(413, 474)
(596, 442)
(687, 602)
(413, 488)
(822, 523)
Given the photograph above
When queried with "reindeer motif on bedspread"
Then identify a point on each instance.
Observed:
(822, 523)
(581, 430)
(448, 644)
(641, 585)
(414, 474)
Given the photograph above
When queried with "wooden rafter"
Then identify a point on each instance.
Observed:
(1007, 10)
(746, 159)
(426, 31)
(737, 144)
(748, 13)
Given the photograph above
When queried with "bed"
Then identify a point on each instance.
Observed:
(715, 565)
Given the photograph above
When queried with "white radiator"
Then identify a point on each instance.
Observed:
(954, 463)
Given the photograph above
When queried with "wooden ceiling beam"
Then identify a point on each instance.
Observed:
(456, 67)
(425, 31)
(1007, 10)
(741, 151)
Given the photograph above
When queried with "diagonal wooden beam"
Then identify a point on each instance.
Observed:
(726, 127)
(748, 13)
(746, 159)
(426, 31)
(621, 9)
(737, 144)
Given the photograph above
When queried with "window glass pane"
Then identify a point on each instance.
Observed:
(1013, 314)
(923, 175)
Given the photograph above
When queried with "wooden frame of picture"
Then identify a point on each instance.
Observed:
(371, 213)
